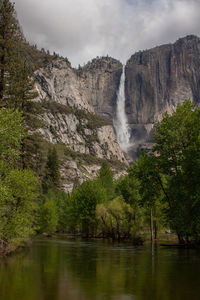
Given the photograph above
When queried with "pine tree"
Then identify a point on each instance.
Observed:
(52, 174)
(21, 90)
(22, 98)
(9, 36)
(17, 86)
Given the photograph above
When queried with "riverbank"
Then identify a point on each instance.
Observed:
(163, 238)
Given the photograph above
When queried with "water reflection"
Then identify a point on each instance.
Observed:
(96, 270)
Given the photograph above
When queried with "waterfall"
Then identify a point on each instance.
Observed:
(120, 122)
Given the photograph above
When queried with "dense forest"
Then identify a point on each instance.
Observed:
(160, 191)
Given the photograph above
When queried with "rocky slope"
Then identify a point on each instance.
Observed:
(158, 79)
(83, 139)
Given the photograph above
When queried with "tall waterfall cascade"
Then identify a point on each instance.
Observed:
(120, 122)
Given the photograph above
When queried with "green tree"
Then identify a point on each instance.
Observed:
(11, 135)
(151, 190)
(17, 206)
(9, 36)
(16, 85)
(85, 199)
(48, 219)
(70, 216)
(54, 212)
(52, 174)
(18, 188)
(23, 100)
(116, 219)
(178, 157)
(129, 187)
(22, 93)
(106, 177)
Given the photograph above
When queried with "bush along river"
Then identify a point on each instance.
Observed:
(63, 269)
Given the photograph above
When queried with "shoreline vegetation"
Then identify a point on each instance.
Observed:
(165, 240)
(160, 192)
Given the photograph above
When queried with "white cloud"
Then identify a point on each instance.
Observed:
(83, 29)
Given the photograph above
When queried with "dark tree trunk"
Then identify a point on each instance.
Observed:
(155, 230)
(180, 239)
(151, 225)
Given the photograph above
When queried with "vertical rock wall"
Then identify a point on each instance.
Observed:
(158, 79)
(101, 78)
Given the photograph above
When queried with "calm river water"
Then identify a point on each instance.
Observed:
(58, 269)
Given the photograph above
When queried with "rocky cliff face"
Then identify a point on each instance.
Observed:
(58, 82)
(158, 79)
(101, 78)
(81, 104)
(70, 98)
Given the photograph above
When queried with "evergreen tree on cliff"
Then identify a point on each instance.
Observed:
(17, 86)
(9, 36)
(22, 88)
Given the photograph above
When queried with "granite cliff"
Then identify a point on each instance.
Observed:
(158, 79)
(101, 79)
(70, 99)
(80, 104)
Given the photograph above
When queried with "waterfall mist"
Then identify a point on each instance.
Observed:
(120, 122)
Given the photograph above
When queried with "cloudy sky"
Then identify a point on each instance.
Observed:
(84, 29)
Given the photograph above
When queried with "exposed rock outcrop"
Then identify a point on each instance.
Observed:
(73, 132)
(58, 82)
(158, 79)
(84, 139)
(101, 78)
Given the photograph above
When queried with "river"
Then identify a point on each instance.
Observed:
(60, 269)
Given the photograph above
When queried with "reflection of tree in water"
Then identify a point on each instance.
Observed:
(49, 271)
(61, 270)
(104, 270)
(118, 272)
(31, 274)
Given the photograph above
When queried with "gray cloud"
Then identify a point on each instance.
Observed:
(84, 29)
